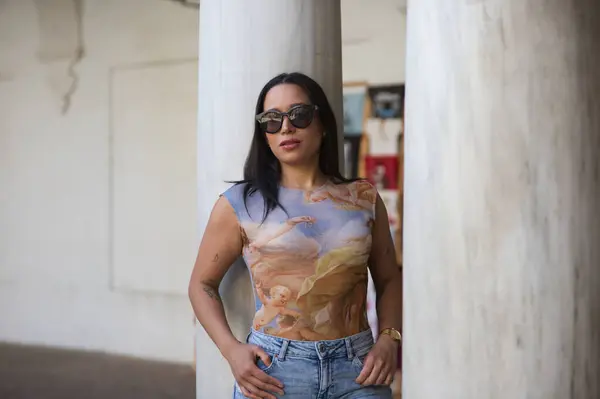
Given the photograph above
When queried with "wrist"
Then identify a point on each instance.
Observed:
(384, 338)
(391, 334)
(229, 347)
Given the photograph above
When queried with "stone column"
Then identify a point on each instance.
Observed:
(243, 44)
(502, 220)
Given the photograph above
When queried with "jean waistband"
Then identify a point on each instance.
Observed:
(354, 345)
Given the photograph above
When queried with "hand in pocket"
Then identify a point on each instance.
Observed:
(253, 382)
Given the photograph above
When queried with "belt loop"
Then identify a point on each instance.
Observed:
(349, 349)
(283, 350)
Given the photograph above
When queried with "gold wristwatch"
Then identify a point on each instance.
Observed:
(393, 333)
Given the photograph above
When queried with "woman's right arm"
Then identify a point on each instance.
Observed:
(221, 245)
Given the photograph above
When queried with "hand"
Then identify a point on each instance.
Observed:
(301, 219)
(253, 382)
(380, 364)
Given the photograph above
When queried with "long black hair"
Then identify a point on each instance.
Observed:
(262, 171)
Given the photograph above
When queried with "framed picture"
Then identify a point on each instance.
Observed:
(383, 135)
(387, 101)
(355, 107)
(382, 171)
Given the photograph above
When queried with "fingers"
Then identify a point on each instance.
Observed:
(389, 379)
(263, 385)
(266, 359)
(366, 371)
(270, 380)
(255, 388)
(383, 375)
(375, 372)
(264, 381)
(257, 382)
(252, 392)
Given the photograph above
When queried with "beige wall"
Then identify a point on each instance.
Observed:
(374, 40)
(98, 193)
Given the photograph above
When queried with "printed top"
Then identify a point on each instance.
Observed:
(309, 266)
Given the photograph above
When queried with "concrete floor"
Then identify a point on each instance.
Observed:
(45, 373)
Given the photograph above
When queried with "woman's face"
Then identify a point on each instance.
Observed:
(290, 144)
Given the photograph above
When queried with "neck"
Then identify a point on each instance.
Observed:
(302, 177)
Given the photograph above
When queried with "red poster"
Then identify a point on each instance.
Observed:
(382, 171)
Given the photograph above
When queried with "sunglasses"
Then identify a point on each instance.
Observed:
(300, 116)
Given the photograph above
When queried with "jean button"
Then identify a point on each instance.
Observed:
(321, 348)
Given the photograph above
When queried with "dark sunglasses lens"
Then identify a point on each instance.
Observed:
(273, 126)
(271, 123)
(301, 117)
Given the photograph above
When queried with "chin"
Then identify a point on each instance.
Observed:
(294, 159)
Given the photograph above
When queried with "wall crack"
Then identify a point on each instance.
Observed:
(78, 56)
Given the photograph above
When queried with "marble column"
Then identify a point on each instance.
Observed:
(243, 44)
(502, 200)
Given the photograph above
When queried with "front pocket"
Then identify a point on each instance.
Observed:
(358, 362)
(263, 367)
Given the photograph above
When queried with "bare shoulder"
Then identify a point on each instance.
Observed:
(360, 186)
(223, 210)
(223, 220)
(363, 190)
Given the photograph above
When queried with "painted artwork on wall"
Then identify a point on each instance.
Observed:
(383, 135)
(387, 101)
(355, 95)
(382, 171)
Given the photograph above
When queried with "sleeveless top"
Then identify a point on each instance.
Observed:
(309, 266)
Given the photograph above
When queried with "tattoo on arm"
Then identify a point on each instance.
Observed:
(210, 291)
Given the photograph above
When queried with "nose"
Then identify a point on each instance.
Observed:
(286, 125)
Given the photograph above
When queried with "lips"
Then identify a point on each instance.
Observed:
(289, 142)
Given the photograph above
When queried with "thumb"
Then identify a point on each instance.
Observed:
(266, 359)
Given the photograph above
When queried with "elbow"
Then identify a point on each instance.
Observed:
(193, 288)
(191, 291)
(195, 297)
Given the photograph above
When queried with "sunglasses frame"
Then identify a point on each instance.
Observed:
(313, 108)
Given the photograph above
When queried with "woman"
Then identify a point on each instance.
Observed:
(308, 236)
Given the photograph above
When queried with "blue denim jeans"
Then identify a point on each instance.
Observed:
(317, 370)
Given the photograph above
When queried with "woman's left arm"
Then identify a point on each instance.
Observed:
(381, 363)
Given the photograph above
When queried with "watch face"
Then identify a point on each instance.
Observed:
(394, 334)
